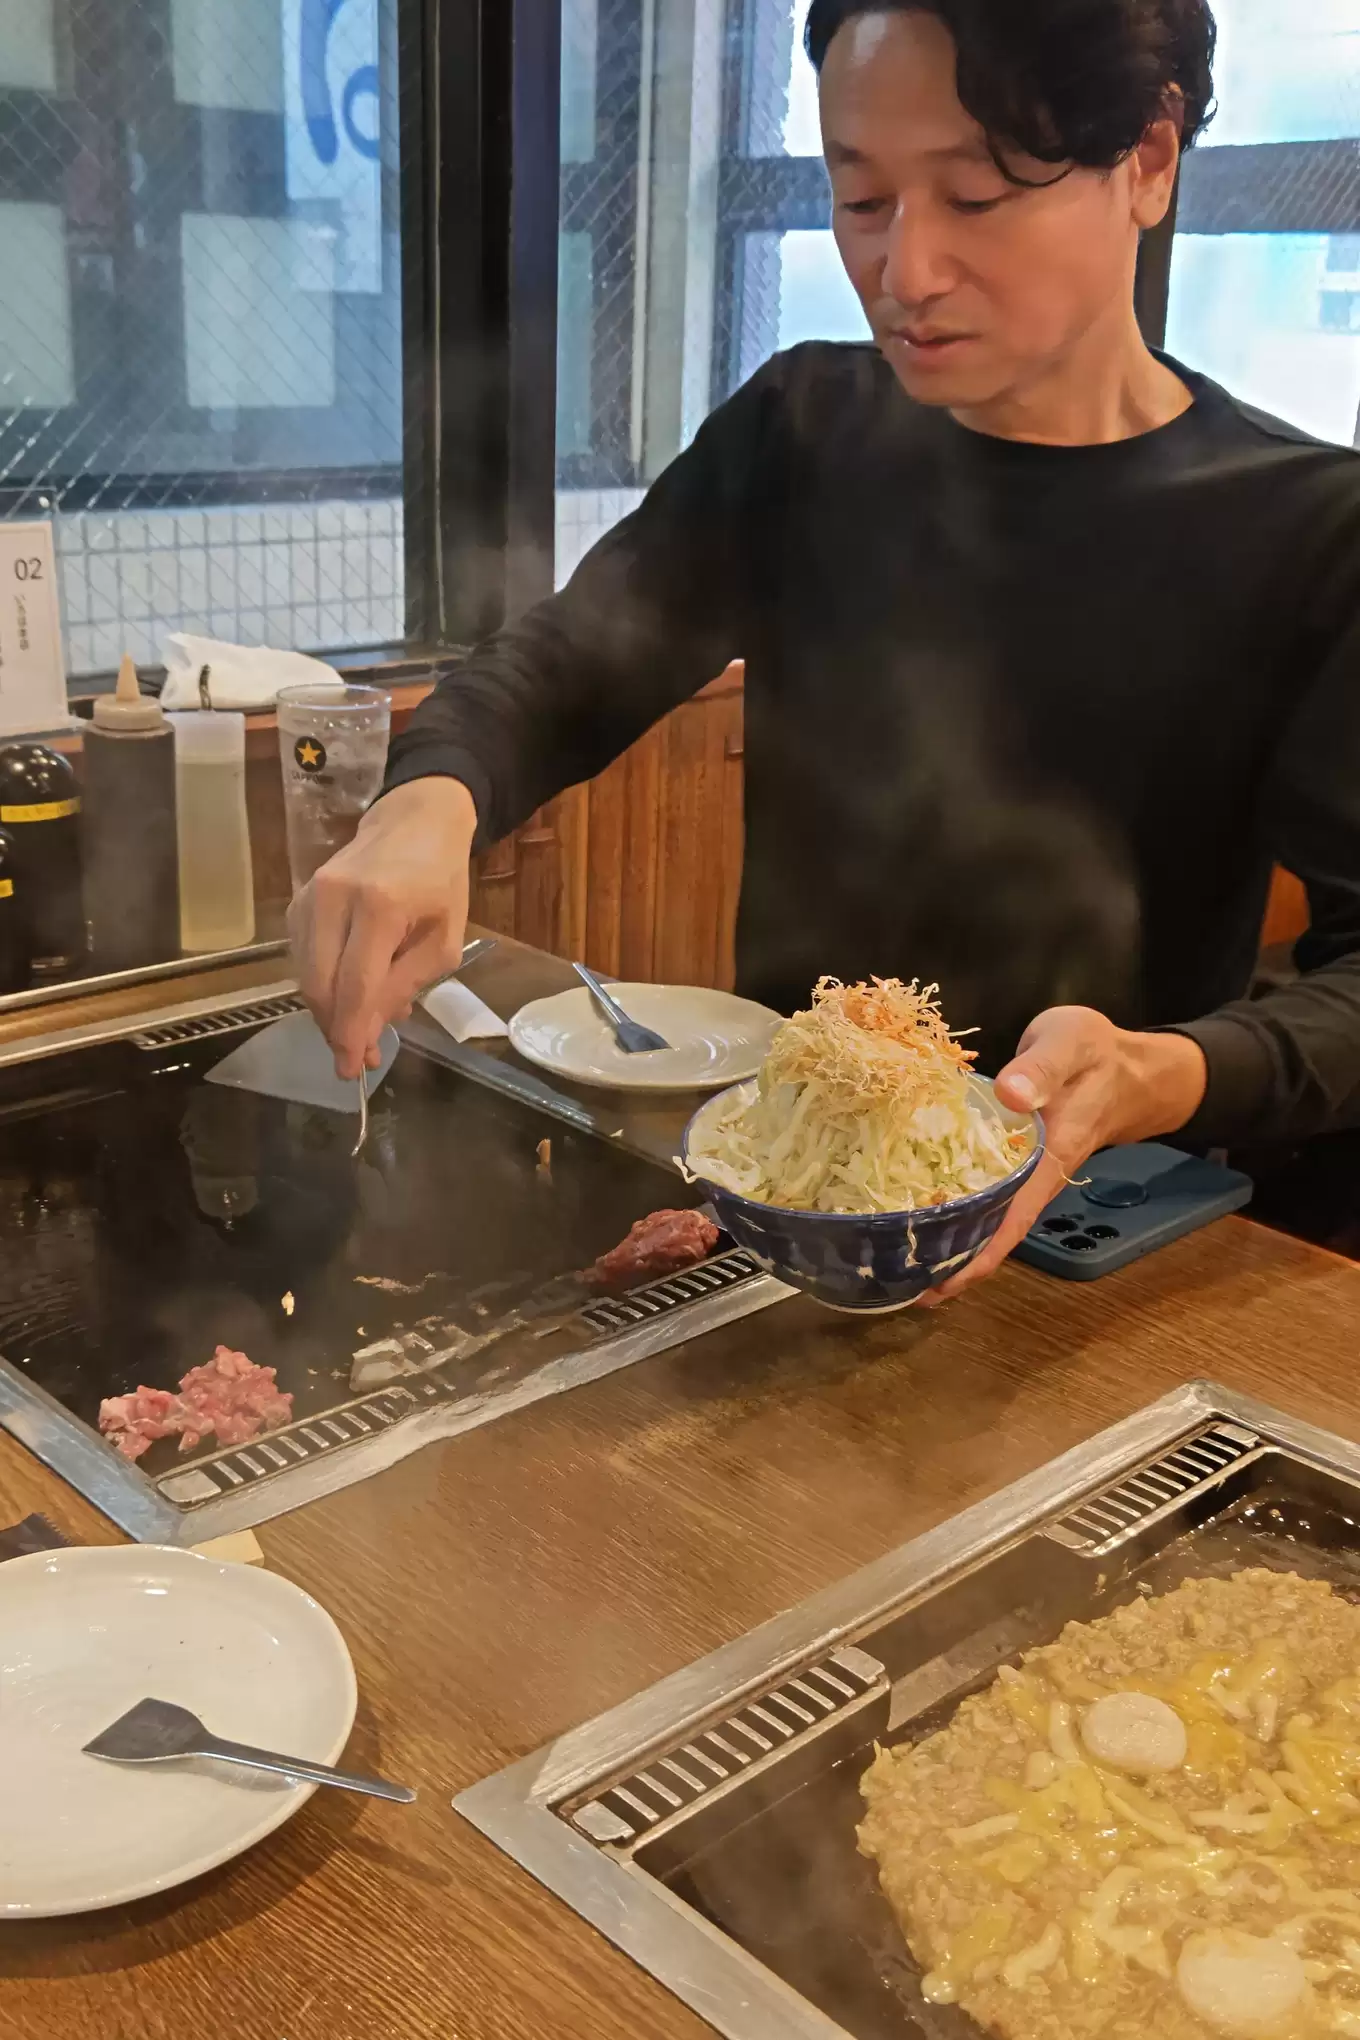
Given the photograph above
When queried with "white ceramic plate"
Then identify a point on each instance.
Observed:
(84, 1635)
(715, 1039)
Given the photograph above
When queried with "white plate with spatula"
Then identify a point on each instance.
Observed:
(713, 1038)
(87, 1634)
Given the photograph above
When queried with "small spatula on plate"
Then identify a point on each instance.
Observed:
(157, 1732)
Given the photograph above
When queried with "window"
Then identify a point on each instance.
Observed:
(201, 369)
(1265, 283)
(695, 233)
(254, 403)
(786, 277)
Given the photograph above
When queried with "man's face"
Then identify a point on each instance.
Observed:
(977, 289)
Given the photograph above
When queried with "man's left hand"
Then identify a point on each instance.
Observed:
(1097, 1087)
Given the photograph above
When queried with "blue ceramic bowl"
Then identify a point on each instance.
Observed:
(882, 1261)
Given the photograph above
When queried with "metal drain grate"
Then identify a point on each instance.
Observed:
(1101, 1524)
(208, 1480)
(754, 1734)
(621, 1313)
(232, 1020)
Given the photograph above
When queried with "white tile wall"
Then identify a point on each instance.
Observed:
(224, 55)
(259, 312)
(36, 370)
(583, 518)
(28, 58)
(302, 576)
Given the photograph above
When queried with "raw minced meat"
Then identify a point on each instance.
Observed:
(662, 1244)
(134, 1422)
(230, 1396)
(234, 1398)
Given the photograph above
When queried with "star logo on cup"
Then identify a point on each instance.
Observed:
(310, 755)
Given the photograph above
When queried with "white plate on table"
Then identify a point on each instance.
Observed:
(84, 1635)
(715, 1039)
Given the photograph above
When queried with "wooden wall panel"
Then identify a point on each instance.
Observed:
(538, 884)
(644, 771)
(624, 847)
(638, 873)
(576, 866)
(689, 878)
(733, 836)
(606, 877)
(494, 904)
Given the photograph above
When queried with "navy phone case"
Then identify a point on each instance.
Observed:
(1129, 1202)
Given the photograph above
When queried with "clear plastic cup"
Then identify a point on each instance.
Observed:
(333, 749)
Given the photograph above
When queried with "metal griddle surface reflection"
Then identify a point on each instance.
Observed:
(147, 1217)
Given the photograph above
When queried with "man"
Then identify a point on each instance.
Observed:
(1050, 645)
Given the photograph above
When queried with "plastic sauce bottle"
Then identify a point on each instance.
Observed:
(40, 809)
(131, 849)
(216, 880)
(16, 962)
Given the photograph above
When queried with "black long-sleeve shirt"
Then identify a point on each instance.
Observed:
(1031, 722)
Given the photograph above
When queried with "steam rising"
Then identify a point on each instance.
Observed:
(935, 847)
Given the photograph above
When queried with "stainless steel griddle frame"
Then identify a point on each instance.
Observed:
(217, 1494)
(71, 989)
(574, 1814)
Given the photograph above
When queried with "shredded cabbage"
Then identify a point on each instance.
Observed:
(864, 1104)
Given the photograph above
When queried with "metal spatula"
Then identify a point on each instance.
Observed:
(633, 1038)
(33, 1535)
(157, 1732)
(291, 1059)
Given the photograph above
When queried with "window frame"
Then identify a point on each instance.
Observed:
(481, 201)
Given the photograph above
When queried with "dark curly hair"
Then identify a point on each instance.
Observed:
(1064, 81)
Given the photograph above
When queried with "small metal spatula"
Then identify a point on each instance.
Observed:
(293, 1060)
(157, 1732)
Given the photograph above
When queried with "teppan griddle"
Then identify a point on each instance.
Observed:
(707, 1827)
(147, 1217)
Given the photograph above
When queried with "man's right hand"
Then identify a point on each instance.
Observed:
(386, 917)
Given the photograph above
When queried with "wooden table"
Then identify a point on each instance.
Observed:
(500, 1589)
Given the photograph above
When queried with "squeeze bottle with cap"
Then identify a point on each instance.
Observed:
(131, 850)
(40, 812)
(216, 880)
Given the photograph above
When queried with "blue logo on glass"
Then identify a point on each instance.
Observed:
(316, 19)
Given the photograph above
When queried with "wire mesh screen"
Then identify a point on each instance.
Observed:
(761, 50)
(602, 248)
(664, 308)
(695, 237)
(200, 375)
